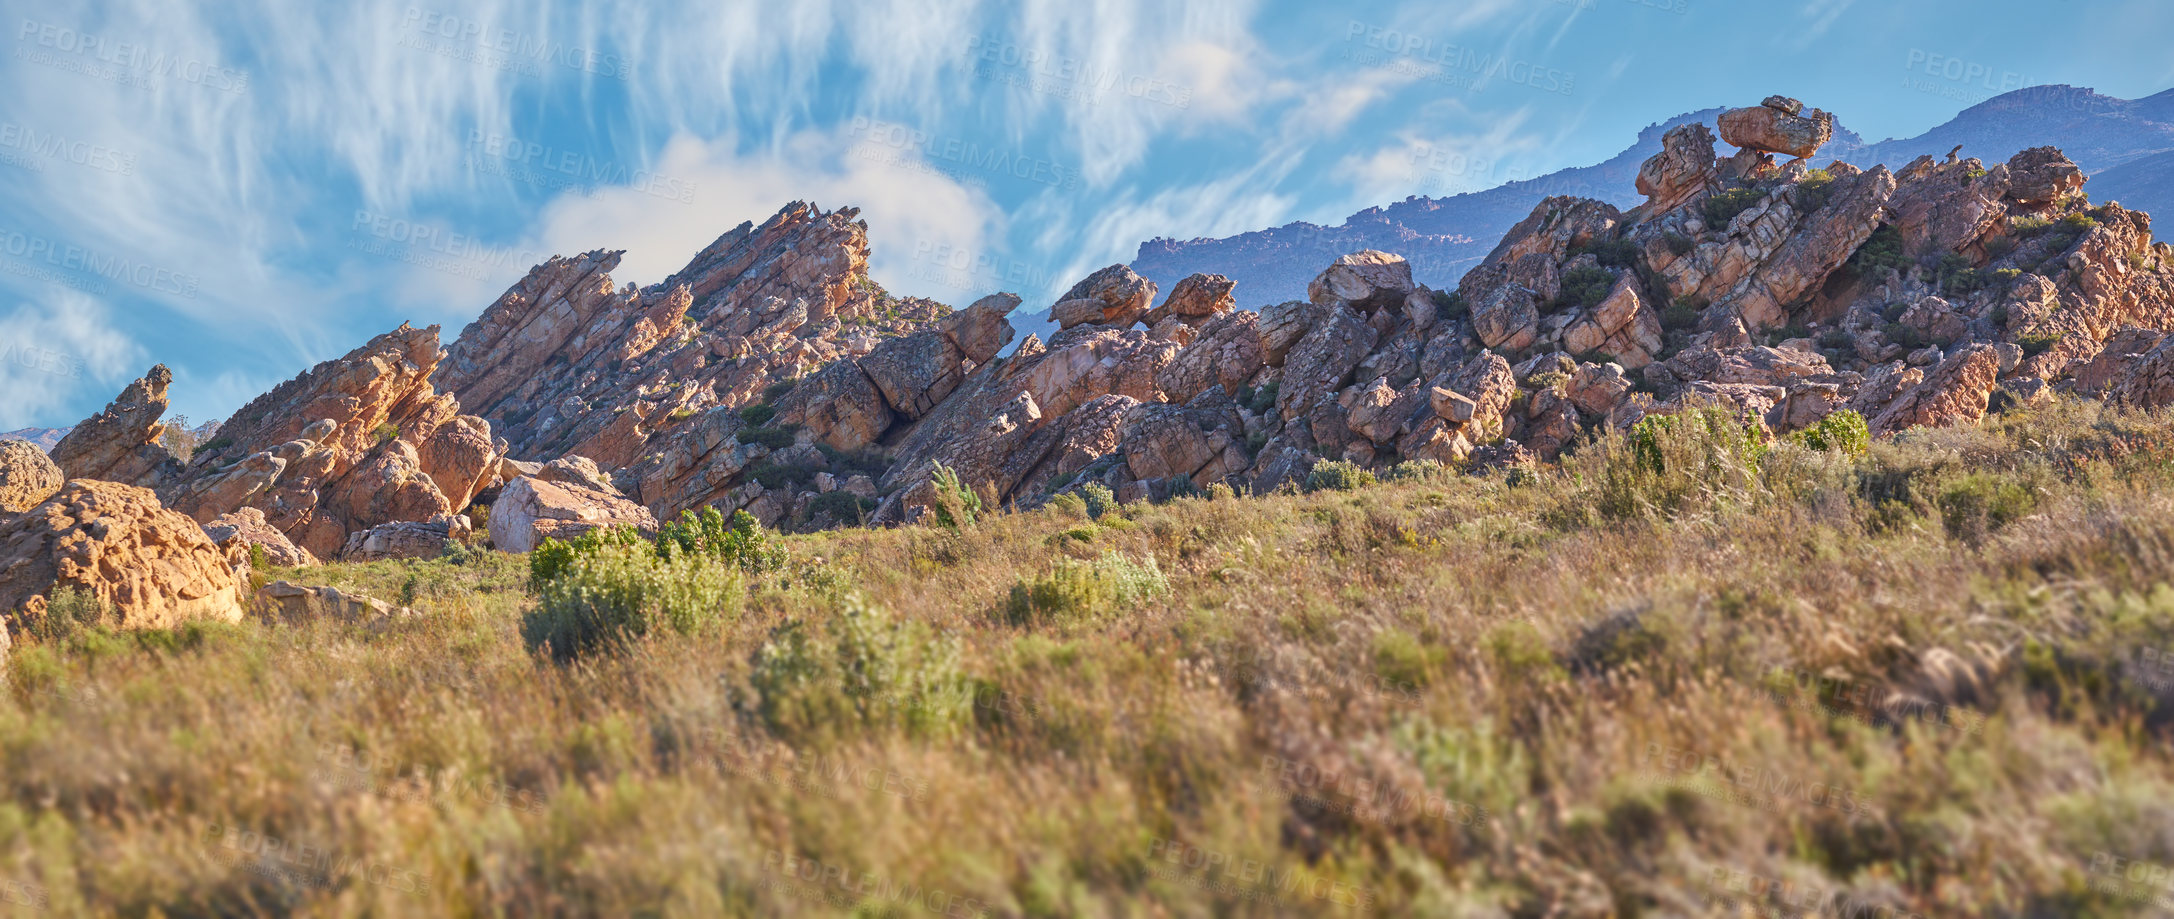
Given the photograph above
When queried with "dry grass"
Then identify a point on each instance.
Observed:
(1935, 678)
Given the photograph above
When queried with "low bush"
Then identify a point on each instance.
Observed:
(1075, 591)
(956, 504)
(1843, 431)
(860, 668)
(1722, 207)
(1669, 462)
(1337, 475)
(623, 592)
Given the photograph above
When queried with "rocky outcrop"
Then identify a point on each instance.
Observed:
(1114, 296)
(1954, 393)
(1777, 127)
(570, 497)
(238, 533)
(423, 539)
(148, 566)
(292, 604)
(121, 444)
(27, 476)
(1682, 172)
(353, 443)
(1364, 281)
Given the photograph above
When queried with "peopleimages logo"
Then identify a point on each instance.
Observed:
(1457, 59)
(53, 146)
(522, 159)
(511, 46)
(121, 269)
(126, 57)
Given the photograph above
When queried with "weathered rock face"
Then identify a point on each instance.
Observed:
(422, 539)
(1775, 129)
(566, 501)
(1681, 172)
(151, 567)
(295, 604)
(565, 362)
(27, 476)
(1113, 296)
(1364, 281)
(773, 373)
(353, 443)
(121, 444)
(236, 533)
(1955, 393)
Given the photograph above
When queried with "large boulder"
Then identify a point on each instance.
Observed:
(1956, 392)
(2042, 175)
(839, 405)
(1367, 281)
(295, 604)
(1322, 361)
(1226, 353)
(1681, 172)
(237, 533)
(532, 509)
(424, 539)
(1122, 295)
(27, 476)
(1197, 297)
(1776, 130)
(121, 444)
(149, 566)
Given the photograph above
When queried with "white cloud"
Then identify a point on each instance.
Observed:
(50, 351)
(912, 209)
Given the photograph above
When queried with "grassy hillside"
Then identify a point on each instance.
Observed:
(1677, 676)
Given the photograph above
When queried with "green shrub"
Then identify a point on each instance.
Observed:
(1722, 207)
(553, 557)
(2028, 227)
(2004, 275)
(1679, 244)
(1614, 253)
(680, 414)
(1668, 460)
(1448, 305)
(1337, 475)
(1814, 190)
(1098, 498)
(1583, 288)
(1881, 251)
(778, 475)
(1842, 431)
(386, 432)
(2038, 343)
(623, 592)
(69, 611)
(1418, 471)
(2078, 222)
(1903, 335)
(758, 415)
(863, 667)
(1259, 401)
(1981, 503)
(774, 438)
(843, 506)
(777, 390)
(741, 543)
(956, 504)
(1682, 314)
(1075, 591)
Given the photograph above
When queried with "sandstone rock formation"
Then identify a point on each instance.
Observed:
(149, 566)
(121, 444)
(295, 604)
(355, 442)
(1776, 126)
(237, 533)
(570, 497)
(773, 375)
(27, 476)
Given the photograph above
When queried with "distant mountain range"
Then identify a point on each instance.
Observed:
(45, 438)
(2127, 146)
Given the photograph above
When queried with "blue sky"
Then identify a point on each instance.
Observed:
(239, 189)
